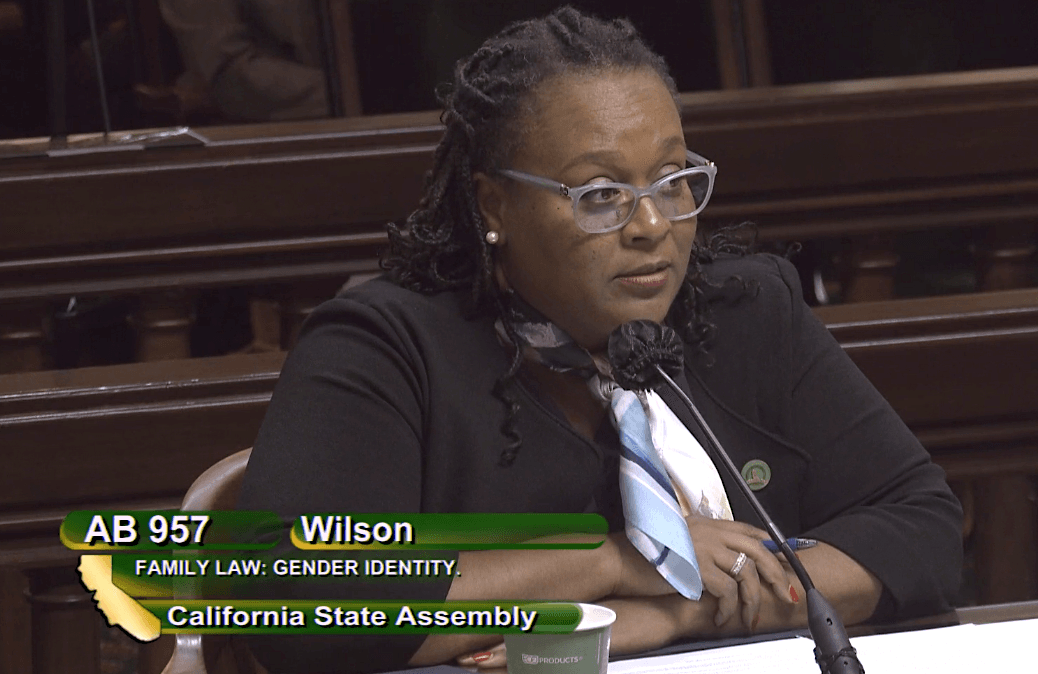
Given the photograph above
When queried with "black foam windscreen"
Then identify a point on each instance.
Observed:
(635, 348)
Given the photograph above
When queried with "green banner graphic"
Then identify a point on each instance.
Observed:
(223, 574)
(454, 531)
(127, 530)
(359, 617)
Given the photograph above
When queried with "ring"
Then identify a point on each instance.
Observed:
(740, 562)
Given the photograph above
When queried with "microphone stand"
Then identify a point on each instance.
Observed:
(833, 651)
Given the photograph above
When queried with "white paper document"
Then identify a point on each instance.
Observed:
(969, 649)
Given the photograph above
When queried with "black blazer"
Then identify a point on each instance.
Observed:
(386, 405)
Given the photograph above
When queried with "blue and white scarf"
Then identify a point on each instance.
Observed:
(665, 474)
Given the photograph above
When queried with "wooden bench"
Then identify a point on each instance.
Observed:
(278, 207)
(132, 436)
(960, 371)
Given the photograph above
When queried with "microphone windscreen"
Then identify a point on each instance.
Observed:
(635, 349)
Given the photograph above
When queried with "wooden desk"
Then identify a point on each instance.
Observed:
(996, 613)
(978, 615)
(969, 615)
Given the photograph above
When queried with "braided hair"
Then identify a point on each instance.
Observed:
(442, 245)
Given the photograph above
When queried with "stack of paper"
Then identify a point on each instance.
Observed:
(969, 649)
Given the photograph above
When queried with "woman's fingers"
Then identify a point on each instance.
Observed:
(725, 588)
(488, 658)
(769, 569)
(737, 588)
(749, 590)
(737, 584)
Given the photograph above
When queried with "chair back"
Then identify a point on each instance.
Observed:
(215, 489)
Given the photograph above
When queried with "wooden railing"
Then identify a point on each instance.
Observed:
(864, 161)
(281, 207)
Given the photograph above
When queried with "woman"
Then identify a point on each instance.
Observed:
(423, 391)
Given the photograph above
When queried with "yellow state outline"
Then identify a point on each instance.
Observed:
(117, 607)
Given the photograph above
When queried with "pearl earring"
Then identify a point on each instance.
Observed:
(493, 237)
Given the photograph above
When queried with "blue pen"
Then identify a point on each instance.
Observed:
(794, 543)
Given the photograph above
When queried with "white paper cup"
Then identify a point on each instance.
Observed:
(583, 651)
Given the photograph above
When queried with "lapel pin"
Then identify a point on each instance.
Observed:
(757, 474)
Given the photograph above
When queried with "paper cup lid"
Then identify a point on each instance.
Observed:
(593, 616)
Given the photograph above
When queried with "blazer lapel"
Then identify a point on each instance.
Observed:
(745, 442)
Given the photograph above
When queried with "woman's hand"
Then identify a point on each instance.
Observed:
(717, 544)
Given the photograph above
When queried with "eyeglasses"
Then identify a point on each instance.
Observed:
(604, 207)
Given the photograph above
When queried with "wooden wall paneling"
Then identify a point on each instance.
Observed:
(826, 135)
(165, 279)
(804, 162)
(838, 159)
(163, 272)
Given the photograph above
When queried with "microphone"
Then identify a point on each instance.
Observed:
(645, 355)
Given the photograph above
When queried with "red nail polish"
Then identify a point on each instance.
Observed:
(481, 657)
(793, 595)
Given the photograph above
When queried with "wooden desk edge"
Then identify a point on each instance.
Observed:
(994, 613)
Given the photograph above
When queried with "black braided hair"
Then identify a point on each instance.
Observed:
(442, 245)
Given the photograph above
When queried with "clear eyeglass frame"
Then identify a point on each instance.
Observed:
(699, 165)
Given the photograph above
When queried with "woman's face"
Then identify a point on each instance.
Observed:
(615, 126)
